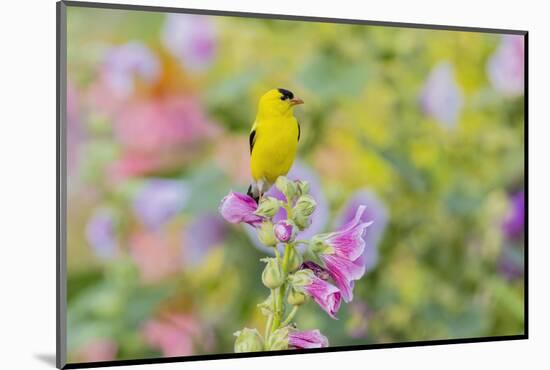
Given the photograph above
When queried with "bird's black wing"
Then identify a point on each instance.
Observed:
(252, 139)
(299, 130)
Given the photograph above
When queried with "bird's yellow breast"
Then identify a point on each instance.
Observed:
(274, 149)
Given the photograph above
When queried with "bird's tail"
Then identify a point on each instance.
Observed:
(253, 193)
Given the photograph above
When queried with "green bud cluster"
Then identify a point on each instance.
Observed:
(248, 340)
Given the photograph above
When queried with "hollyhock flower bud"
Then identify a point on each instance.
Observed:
(248, 340)
(237, 208)
(303, 187)
(266, 235)
(302, 222)
(285, 231)
(278, 340)
(304, 208)
(272, 276)
(340, 251)
(268, 207)
(305, 205)
(287, 187)
(296, 298)
(326, 295)
(267, 306)
(307, 339)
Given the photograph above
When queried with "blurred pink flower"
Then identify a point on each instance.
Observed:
(173, 334)
(97, 350)
(441, 97)
(191, 39)
(160, 133)
(75, 133)
(506, 67)
(157, 255)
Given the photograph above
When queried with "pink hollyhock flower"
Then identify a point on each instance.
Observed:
(284, 231)
(237, 208)
(506, 68)
(191, 39)
(376, 210)
(326, 295)
(441, 97)
(307, 339)
(340, 252)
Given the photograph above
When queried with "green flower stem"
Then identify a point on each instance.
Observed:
(279, 302)
(270, 318)
(290, 316)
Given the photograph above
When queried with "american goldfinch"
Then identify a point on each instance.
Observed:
(273, 140)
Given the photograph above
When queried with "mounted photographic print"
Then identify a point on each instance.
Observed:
(235, 184)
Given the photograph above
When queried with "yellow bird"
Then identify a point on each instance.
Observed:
(273, 140)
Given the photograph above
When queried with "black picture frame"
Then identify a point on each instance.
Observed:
(61, 185)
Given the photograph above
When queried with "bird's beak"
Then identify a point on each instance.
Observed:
(296, 101)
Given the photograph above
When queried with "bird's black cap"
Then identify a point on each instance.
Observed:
(287, 94)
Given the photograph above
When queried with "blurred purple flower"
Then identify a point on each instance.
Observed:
(203, 233)
(319, 218)
(513, 225)
(159, 200)
(123, 63)
(375, 211)
(358, 323)
(191, 39)
(511, 263)
(100, 234)
(441, 97)
(307, 339)
(340, 252)
(506, 67)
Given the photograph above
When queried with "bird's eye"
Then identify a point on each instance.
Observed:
(286, 94)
